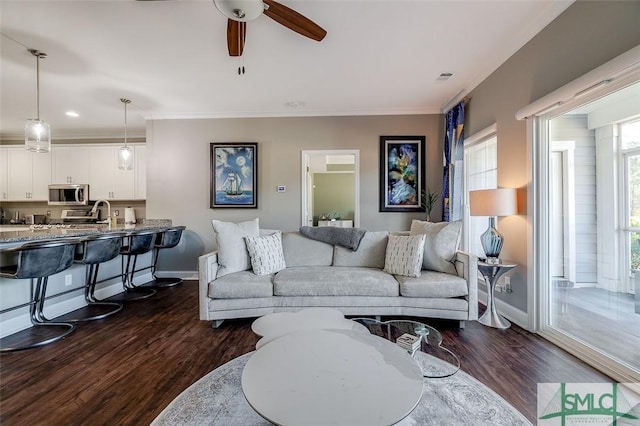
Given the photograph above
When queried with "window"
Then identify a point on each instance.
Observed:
(630, 159)
(481, 172)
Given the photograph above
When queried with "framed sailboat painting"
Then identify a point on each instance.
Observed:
(234, 175)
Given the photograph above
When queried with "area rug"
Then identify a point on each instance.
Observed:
(217, 400)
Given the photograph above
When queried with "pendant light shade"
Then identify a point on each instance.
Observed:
(125, 154)
(37, 133)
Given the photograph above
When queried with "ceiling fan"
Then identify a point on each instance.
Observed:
(240, 12)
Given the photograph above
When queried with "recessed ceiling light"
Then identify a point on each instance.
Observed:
(72, 114)
(444, 76)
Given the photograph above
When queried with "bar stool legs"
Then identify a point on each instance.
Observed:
(137, 243)
(37, 261)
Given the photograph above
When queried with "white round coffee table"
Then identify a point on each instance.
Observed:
(332, 377)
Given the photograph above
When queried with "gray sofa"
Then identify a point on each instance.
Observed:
(318, 274)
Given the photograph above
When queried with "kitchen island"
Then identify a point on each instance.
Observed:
(65, 289)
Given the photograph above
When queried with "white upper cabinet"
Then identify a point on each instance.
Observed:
(4, 188)
(70, 164)
(28, 174)
(140, 169)
(106, 181)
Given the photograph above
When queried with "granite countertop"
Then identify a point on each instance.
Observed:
(27, 233)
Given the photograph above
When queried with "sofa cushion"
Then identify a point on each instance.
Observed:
(433, 284)
(441, 244)
(370, 253)
(332, 281)
(241, 285)
(404, 255)
(266, 253)
(232, 250)
(303, 251)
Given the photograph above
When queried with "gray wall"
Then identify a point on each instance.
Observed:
(179, 167)
(586, 35)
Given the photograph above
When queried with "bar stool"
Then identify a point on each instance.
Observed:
(92, 251)
(135, 243)
(38, 260)
(165, 239)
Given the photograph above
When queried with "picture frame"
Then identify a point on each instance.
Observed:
(402, 173)
(234, 175)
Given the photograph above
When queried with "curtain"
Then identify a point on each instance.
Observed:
(453, 158)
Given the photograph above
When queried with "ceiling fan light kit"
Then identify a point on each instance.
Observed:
(240, 10)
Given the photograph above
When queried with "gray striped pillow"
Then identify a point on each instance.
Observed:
(266, 253)
(404, 255)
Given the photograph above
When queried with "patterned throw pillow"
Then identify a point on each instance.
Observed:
(404, 255)
(266, 253)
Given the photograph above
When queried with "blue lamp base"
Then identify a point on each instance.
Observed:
(491, 240)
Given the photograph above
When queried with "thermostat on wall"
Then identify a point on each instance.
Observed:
(281, 188)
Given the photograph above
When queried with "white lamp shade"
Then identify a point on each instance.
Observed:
(37, 136)
(240, 10)
(125, 158)
(493, 202)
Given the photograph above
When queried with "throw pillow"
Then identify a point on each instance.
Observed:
(404, 255)
(266, 253)
(442, 240)
(232, 251)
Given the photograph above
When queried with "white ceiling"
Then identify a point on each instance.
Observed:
(170, 59)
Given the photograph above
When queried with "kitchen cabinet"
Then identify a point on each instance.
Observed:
(28, 174)
(140, 169)
(70, 164)
(106, 181)
(3, 174)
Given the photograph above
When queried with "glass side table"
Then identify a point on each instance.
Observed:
(492, 271)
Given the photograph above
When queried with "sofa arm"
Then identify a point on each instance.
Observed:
(207, 271)
(467, 268)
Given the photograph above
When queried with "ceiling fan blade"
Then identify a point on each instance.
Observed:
(293, 20)
(236, 35)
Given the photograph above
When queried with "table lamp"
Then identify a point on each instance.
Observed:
(492, 203)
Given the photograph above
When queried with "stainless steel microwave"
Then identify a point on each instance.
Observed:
(69, 194)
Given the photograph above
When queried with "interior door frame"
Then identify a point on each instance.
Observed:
(307, 199)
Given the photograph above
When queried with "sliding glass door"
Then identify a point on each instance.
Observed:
(590, 200)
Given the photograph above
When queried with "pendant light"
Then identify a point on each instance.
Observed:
(125, 154)
(37, 133)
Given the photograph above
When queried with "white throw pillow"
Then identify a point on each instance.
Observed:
(266, 253)
(404, 255)
(441, 244)
(232, 251)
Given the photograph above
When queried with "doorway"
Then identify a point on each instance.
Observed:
(330, 186)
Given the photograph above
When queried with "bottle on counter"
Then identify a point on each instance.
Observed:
(114, 220)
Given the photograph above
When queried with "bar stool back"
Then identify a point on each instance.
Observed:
(92, 251)
(38, 260)
(168, 238)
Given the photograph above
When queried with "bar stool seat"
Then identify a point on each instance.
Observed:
(165, 239)
(135, 243)
(38, 260)
(92, 251)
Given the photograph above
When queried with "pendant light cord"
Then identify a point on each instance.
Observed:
(38, 54)
(125, 102)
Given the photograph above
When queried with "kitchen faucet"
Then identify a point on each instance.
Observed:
(95, 208)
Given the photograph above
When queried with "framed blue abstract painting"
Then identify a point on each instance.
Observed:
(234, 175)
(401, 173)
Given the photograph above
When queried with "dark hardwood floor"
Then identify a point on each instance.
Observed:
(125, 369)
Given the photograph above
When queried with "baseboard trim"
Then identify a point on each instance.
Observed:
(511, 313)
(185, 275)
